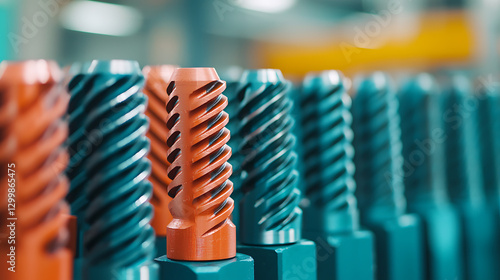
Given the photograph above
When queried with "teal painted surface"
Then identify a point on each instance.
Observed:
(8, 16)
(379, 176)
(422, 137)
(240, 267)
(344, 256)
(400, 248)
(283, 262)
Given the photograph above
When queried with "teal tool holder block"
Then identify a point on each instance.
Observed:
(279, 262)
(161, 246)
(399, 248)
(240, 267)
(344, 256)
(442, 241)
(145, 271)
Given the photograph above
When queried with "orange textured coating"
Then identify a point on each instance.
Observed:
(157, 79)
(8, 110)
(40, 161)
(201, 229)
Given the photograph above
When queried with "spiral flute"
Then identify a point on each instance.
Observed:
(157, 79)
(461, 153)
(378, 147)
(8, 111)
(328, 155)
(422, 150)
(119, 238)
(270, 212)
(488, 99)
(198, 152)
(40, 161)
(79, 146)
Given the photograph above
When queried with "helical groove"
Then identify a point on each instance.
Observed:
(157, 79)
(270, 203)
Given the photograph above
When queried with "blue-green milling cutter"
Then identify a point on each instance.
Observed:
(270, 213)
(331, 216)
(119, 242)
(423, 137)
(465, 179)
(379, 177)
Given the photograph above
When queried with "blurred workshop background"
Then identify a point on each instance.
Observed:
(296, 36)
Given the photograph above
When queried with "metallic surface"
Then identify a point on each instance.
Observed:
(40, 159)
(270, 213)
(119, 239)
(201, 229)
(328, 155)
(157, 79)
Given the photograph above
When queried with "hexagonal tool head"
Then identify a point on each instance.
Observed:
(239, 267)
(442, 240)
(344, 256)
(399, 244)
(292, 261)
(145, 271)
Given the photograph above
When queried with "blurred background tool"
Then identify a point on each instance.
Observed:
(38, 164)
(379, 177)
(80, 144)
(330, 209)
(232, 76)
(201, 229)
(157, 79)
(425, 178)
(8, 112)
(270, 217)
(465, 179)
(488, 98)
(296, 36)
(119, 242)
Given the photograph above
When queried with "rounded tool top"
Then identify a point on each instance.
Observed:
(29, 72)
(271, 76)
(199, 74)
(115, 66)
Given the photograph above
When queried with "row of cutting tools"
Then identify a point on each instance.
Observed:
(220, 180)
